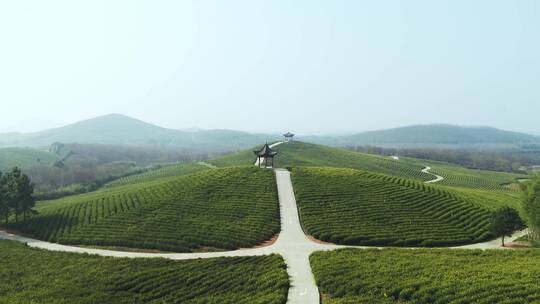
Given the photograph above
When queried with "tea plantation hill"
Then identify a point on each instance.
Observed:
(298, 153)
(54, 277)
(221, 209)
(353, 207)
(427, 276)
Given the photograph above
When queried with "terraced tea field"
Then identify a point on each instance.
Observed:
(38, 276)
(219, 209)
(163, 172)
(293, 154)
(354, 207)
(476, 179)
(427, 276)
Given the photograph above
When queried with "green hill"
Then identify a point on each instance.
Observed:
(427, 276)
(24, 158)
(219, 209)
(39, 276)
(361, 208)
(297, 153)
(115, 129)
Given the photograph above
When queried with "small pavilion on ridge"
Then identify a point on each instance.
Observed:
(264, 155)
(288, 136)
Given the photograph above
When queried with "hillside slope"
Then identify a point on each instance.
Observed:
(360, 208)
(297, 153)
(24, 158)
(221, 209)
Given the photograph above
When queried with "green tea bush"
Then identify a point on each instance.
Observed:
(424, 276)
(220, 209)
(38, 276)
(354, 207)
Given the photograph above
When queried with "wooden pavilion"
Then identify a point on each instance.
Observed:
(263, 155)
(288, 136)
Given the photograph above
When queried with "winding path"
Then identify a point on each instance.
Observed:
(292, 244)
(437, 179)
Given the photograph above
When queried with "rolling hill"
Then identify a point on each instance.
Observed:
(360, 208)
(430, 136)
(115, 129)
(298, 153)
(221, 209)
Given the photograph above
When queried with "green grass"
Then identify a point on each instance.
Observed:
(221, 209)
(361, 208)
(165, 171)
(427, 276)
(24, 158)
(297, 153)
(38, 276)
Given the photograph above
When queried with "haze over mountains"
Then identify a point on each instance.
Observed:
(434, 135)
(115, 129)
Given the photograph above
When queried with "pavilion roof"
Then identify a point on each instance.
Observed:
(288, 134)
(265, 151)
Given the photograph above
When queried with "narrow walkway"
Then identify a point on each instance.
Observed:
(437, 179)
(292, 244)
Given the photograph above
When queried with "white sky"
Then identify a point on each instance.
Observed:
(306, 66)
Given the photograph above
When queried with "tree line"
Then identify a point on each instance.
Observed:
(506, 220)
(16, 195)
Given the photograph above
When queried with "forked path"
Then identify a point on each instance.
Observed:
(292, 244)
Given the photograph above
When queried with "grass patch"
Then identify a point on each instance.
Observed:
(223, 208)
(39, 276)
(427, 276)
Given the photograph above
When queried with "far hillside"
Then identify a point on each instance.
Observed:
(298, 153)
(432, 135)
(116, 129)
(25, 158)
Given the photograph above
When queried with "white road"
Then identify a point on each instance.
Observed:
(437, 179)
(292, 244)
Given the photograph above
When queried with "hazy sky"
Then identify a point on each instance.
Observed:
(305, 66)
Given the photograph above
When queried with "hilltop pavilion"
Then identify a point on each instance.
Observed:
(288, 136)
(264, 154)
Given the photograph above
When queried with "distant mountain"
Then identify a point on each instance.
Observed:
(115, 129)
(436, 134)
